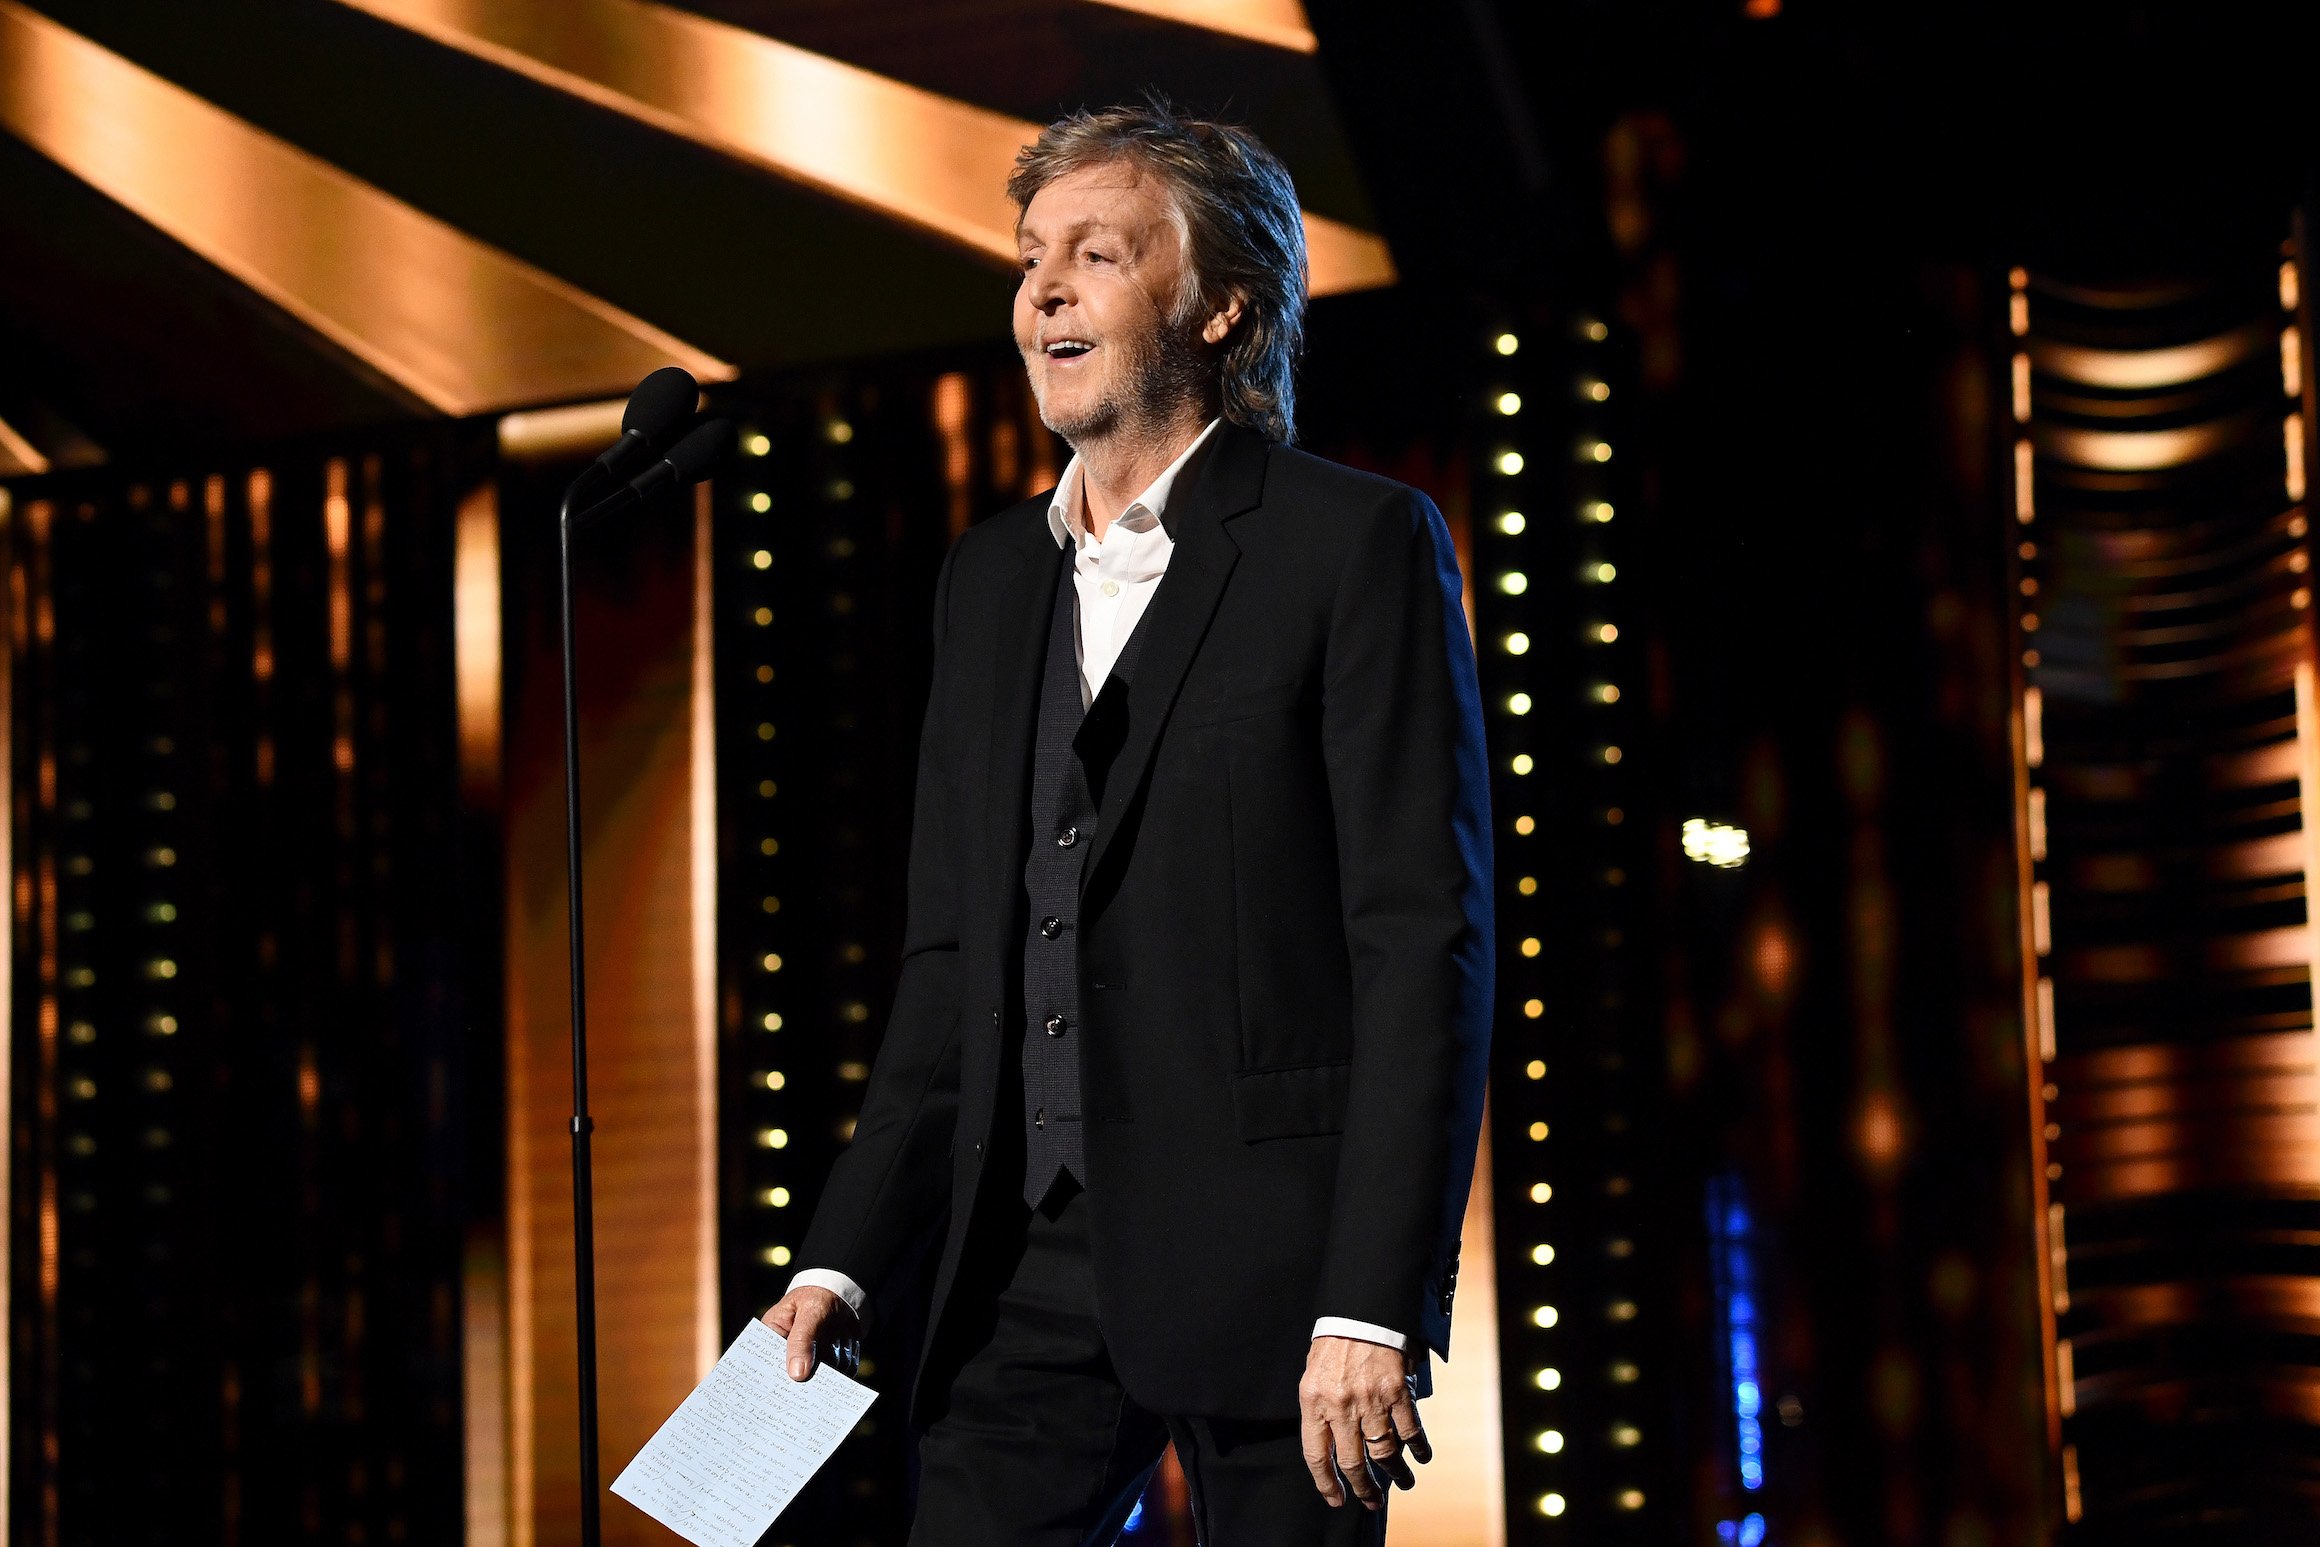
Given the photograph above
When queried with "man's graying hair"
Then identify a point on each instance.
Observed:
(1236, 210)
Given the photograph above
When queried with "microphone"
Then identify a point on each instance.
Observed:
(660, 403)
(690, 460)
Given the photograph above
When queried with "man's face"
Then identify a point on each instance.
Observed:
(1095, 315)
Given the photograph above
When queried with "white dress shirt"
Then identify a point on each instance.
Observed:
(1115, 576)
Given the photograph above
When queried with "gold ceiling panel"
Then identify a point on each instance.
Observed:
(18, 455)
(460, 325)
(910, 154)
(1278, 23)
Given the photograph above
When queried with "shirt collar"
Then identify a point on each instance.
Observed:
(1069, 527)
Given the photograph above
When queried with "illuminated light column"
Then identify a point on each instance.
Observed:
(2162, 439)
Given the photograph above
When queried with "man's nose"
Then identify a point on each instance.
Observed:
(1047, 292)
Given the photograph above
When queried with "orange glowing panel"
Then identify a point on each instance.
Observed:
(475, 613)
(911, 154)
(2144, 369)
(2135, 451)
(11, 642)
(1278, 23)
(18, 455)
(1462, 1501)
(463, 327)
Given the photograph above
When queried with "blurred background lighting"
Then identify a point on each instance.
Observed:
(1715, 843)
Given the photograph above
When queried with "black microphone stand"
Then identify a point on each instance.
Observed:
(687, 462)
(583, 1179)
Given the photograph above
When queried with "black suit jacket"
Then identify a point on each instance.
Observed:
(1286, 934)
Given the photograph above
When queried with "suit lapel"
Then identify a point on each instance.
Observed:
(1025, 610)
(1229, 480)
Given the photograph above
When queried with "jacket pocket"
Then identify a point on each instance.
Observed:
(1241, 704)
(1290, 1103)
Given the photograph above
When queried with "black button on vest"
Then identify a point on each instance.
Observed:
(1064, 795)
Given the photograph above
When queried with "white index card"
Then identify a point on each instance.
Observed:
(736, 1451)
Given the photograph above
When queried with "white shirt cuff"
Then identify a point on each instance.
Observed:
(836, 1283)
(1365, 1331)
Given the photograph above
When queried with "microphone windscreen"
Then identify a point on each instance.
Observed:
(660, 403)
(702, 450)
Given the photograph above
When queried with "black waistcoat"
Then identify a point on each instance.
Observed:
(1070, 757)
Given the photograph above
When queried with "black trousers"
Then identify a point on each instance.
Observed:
(1038, 1445)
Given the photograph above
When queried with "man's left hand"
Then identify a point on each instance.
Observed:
(1359, 1418)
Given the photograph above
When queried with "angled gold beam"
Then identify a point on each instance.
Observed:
(1275, 23)
(462, 326)
(18, 455)
(907, 153)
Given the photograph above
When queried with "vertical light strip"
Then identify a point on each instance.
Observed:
(704, 840)
(2028, 734)
(40, 515)
(953, 400)
(485, 1307)
(484, 1390)
(2308, 804)
(475, 589)
(8, 635)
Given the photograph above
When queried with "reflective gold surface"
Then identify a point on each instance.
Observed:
(651, 1066)
(576, 430)
(18, 455)
(2169, 786)
(461, 326)
(2143, 369)
(1280, 23)
(911, 154)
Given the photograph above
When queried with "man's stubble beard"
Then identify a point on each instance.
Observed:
(1164, 370)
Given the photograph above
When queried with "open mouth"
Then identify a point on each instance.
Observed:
(1068, 348)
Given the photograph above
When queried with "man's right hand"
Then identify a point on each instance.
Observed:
(817, 1325)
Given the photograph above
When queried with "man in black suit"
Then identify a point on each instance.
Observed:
(1186, 1060)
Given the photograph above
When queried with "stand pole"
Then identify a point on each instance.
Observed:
(583, 1201)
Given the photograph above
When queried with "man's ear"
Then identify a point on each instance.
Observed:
(1223, 320)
